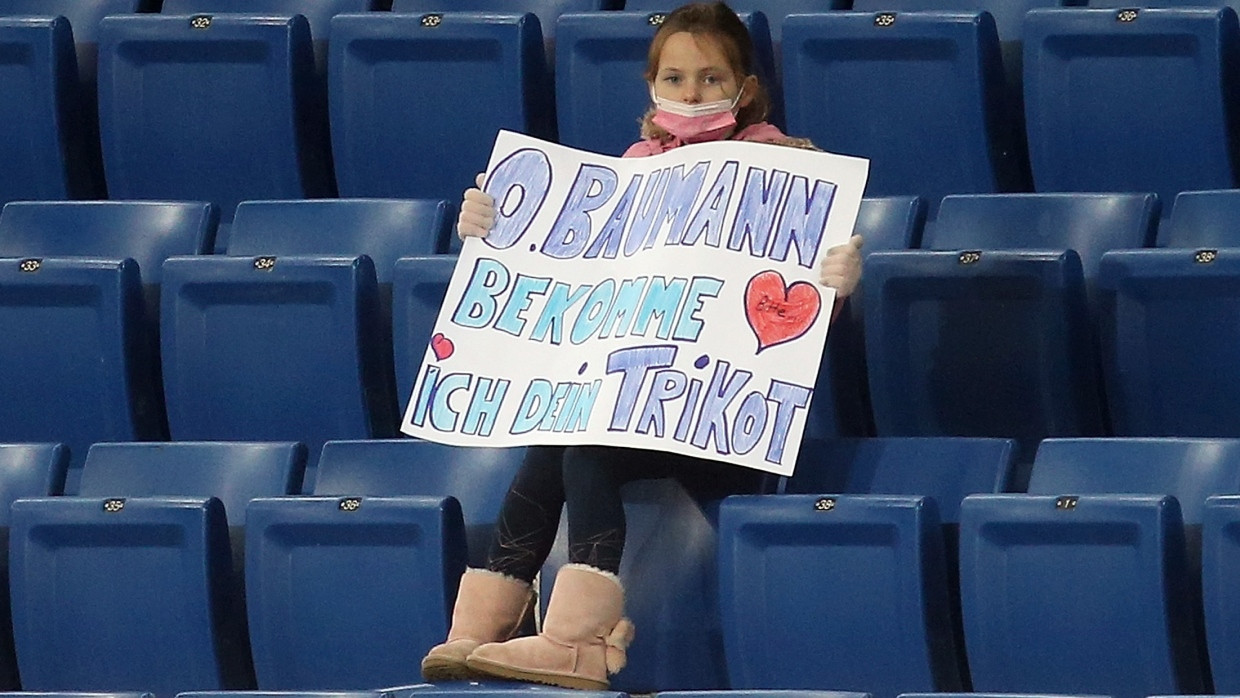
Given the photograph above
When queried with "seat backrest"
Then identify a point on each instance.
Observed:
(318, 12)
(26, 470)
(1090, 224)
(871, 568)
(1202, 219)
(149, 232)
(1009, 14)
(383, 229)
(1068, 594)
(416, 106)
(42, 129)
(961, 344)
(945, 468)
(601, 90)
(547, 11)
(1168, 132)
(1188, 469)
(1220, 562)
(775, 10)
(477, 477)
(82, 564)
(419, 285)
(75, 367)
(233, 472)
(221, 109)
(274, 349)
(856, 86)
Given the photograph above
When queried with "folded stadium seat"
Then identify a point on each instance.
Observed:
(417, 100)
(995, 337)
(133, 583)
(83, 17)
(1168, 326)
(1074, 589)
(856, 545)
(600, 85)
(221, 109)
(318, 13)
(1220, 561)
(65, 283)
(281, 694)
(43, 140)
(419, 285)
(26, 470)
(854, 83)
(275, 348)
(1172, 130)
(352, 586)
(841, 404)
(761, 693)
(775, 10)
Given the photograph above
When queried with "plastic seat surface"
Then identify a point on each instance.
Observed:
(461, 80)
(1068, 594)
(1168, 132)
(223, 112)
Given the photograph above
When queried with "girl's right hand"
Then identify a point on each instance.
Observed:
(477, 211)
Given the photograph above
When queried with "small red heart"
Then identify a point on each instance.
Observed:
(777, 312)
(442, 346)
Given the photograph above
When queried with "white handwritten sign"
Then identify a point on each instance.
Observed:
(667, 302)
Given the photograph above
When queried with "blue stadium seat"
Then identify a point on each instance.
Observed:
(76, 366)
(43, 137)
(383, 229)
(841, 404)
(1167, 329)
(1170, 131)
(221, 109)
(601, 90)
(493, 690)
(1098, 592)
(353, 585)
(114, 577)
(854, 84)
(991, 343)
(842, 591)
(280, 694)
(1220, 562)
(1202, 219)
(775, 10)
(417, 100)
(1089, 224)
(418, 288)
(318, 13)
(942, 470)
(1078, 594)
(1009, 15)
(26, 470)
(144, 552)
(148, 233)
(275, 348)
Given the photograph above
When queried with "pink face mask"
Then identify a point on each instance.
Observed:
(695, 123)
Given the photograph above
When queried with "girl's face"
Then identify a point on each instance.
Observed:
(694, 69)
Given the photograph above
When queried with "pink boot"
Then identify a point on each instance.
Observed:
(490, 607)
(584, 637)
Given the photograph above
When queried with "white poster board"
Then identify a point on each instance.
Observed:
(668, 302)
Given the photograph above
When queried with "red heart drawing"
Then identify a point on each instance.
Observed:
(442, 346)
(777, 312)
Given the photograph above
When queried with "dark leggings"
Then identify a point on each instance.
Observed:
(588, 480)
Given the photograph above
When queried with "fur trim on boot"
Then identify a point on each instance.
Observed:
(490, 607)
(584, 637)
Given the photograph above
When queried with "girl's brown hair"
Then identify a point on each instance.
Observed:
(717, 21)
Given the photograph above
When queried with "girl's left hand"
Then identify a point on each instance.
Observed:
(841, 267)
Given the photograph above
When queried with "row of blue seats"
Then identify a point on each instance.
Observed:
(1014, 316)
(881, 566)
(229, 108)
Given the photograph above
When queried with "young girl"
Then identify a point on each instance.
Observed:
(703, 88)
